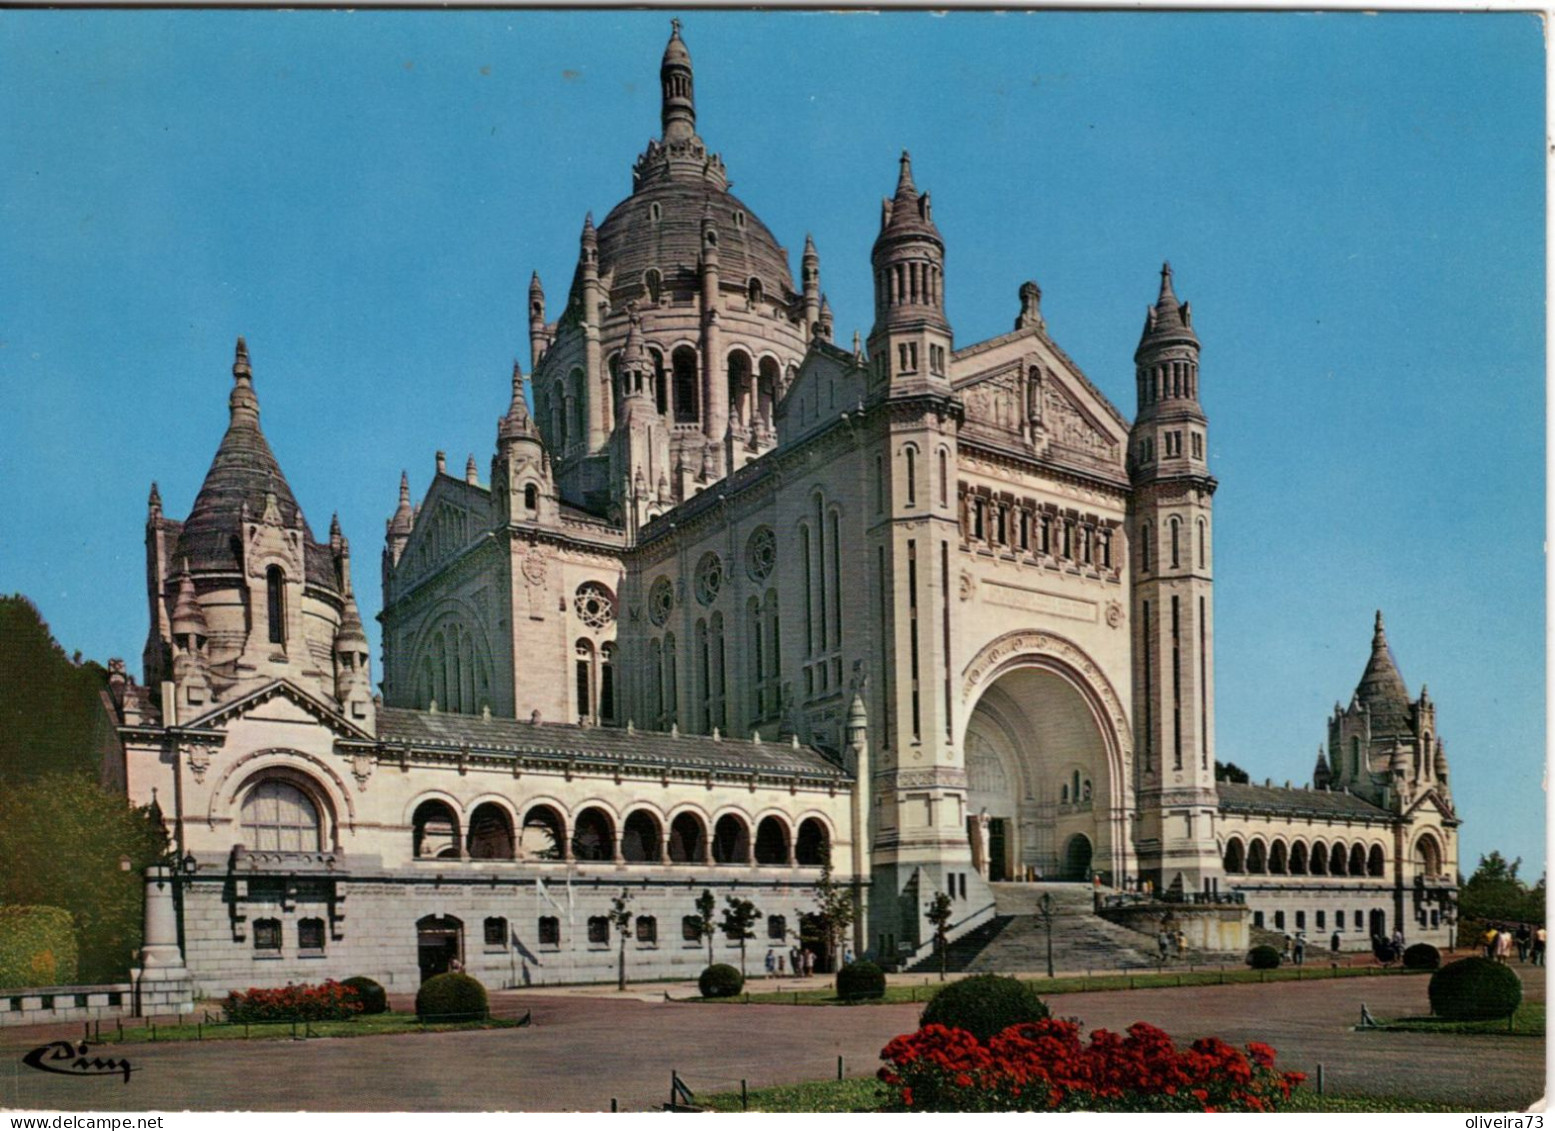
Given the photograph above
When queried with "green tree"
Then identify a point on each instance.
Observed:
(739, 919)
(1496, 893)
(835, 908)
(939, 914)
(1230, 771)
(706, 905)
(52, 718)
(66, 842)
(621, 920)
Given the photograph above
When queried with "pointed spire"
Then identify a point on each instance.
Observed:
(677, 113)
(905, 189)
(1382, 689)
(188, 617)
(1167, 320)
(155, 501)
(809, 248)
(535, 289)
(243, 403)
(404, 515)
(334, 526)
(351, 636)
(471, 473)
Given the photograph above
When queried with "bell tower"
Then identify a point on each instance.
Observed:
(1171, 531)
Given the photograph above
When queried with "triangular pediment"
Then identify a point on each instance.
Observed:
(280, 701)
(1432, 799)
(453, 515)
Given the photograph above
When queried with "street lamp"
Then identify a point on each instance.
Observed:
(1045, 913)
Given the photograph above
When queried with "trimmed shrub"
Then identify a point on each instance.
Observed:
(37, 947)
(373, 996)
(860, 981)
(1475, 989)
(451, 997)
(329, 1001)
(984, 1005)
(719, 980)
(1422, 956)
(1263, 957)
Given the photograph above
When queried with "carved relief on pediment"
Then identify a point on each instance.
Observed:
(996, 402)
(1071, 426)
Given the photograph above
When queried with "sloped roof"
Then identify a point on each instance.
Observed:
(602, 746)
(1239, 797)
(1382, 690)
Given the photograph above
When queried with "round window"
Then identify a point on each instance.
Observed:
(661, 601)
(594, 605)
(710, 578)
(761, 554)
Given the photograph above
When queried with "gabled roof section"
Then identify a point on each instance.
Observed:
(224, 715)
(1434, 798)
(979, 357)
(601, 746)
(1244, 798)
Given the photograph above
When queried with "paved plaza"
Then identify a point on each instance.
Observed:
(588, 1047)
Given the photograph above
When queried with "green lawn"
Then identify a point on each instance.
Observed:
(920, 993)
(867, 1095)
(379, 1025)
(1527, 1021)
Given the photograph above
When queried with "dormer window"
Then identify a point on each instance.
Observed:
(655, 213)
(653, 282)
(739, 220)
(753, 292)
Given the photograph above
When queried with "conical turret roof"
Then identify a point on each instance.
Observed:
(243, 472)
(1382, 689)
(908, 212)
(1169, 320)
(515, 424)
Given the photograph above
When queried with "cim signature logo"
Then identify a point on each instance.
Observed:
(67, 1058)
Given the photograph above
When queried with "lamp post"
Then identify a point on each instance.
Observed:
(1045, 913)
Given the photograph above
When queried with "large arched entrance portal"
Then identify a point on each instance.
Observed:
(1041, 789)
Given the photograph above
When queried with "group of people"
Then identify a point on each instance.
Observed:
(1170, 941)
(1388, 950)
(799, 960)
(1500, 939)
(1295, 950)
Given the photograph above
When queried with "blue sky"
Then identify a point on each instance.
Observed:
(1354, 204)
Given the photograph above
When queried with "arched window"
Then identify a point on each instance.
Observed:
(1376, 864)
(531, 497)
(1357, 865)
(607, 683)
(575, 407)
(594, 837)
(1144, 548)
(1298, 858)
(671, 682)
(278, 817)
(491, 833)
(1319, 860)
(653, 282)
(740, 391)
(647, 930)
(683, 365)
(944, 478)
(1175, 526)
(640, 838)
(912, 475)
(544, 834)
(688, 840)
(494, 932)
(1257, 858)
(1279, 859)
(1337, 859)
(731, 841)
(1203, 542)
(584, 670)
(435, 831)
(660, 386)
(753, 292)
(812, 846)
(275, 604)
(771, 842)
(1428, 856)
(1234, 861)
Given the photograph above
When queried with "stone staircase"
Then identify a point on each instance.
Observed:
(1015, 941)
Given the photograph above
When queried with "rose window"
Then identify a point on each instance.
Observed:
(761, 554)
(710, 578)
(594, 605)
(661, 601)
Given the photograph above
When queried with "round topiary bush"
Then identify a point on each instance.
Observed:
(451, 997)
(1422, 956)
(372, 996)
(719, 980)
(860, 981)
(1263, 957)
(1475, 989)
(984, 1005)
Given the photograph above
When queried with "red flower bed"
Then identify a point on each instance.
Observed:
(330, 1001)
(1044, 1066)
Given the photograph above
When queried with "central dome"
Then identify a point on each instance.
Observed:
(659, 227)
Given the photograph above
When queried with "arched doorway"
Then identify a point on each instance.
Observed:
(439, 944)
(1077, 858)
(1041, 790)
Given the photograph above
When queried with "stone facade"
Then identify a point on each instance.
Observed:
(733, 598)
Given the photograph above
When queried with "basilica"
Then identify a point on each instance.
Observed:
(737, 608)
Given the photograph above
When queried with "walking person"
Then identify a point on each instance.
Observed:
(1299, 949)
(1335, 943)
(1522, 937)
(1539, 939)
(1504, 947)
(1489, 939)
(1182, 945)
(771, 963)
(782, 963)
(1160, 945)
